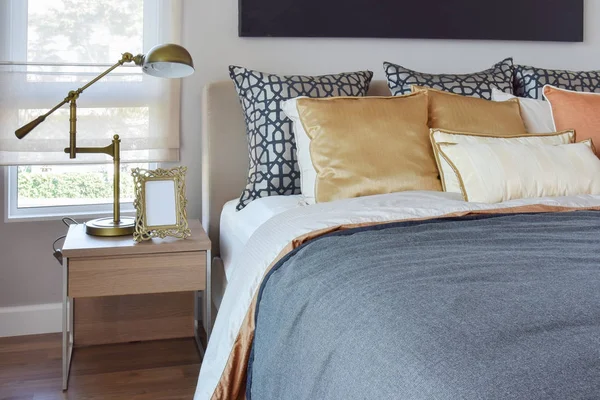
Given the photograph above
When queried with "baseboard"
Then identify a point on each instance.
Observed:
(30, 320)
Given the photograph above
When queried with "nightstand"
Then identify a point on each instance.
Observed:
(99, 266)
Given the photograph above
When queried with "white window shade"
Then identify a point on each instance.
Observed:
(58, 46)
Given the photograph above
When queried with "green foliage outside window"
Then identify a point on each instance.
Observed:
(84, 28)
(88, 185)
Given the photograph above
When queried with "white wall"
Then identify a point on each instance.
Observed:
(29, 274)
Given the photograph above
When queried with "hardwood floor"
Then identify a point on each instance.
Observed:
(30, 369)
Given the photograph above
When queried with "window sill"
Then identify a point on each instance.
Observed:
(79, 216)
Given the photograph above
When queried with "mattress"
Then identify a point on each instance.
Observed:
(238, 226)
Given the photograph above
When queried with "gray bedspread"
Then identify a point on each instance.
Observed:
(488, 307)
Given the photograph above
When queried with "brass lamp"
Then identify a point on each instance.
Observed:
(165, 61)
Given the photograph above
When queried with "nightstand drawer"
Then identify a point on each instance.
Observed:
(156, 273)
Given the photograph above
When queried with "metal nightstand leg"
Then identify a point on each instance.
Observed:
(199, 345)
(208, 297)
(67, 325)
(207, 312)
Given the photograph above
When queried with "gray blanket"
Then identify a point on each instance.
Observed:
(488, 307)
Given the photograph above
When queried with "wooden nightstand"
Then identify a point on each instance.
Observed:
(97, 267)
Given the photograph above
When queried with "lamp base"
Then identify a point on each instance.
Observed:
(108, 228)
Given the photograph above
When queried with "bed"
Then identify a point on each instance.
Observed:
(281, 330)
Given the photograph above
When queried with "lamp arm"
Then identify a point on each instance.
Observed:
(74, 94)
(126, 58)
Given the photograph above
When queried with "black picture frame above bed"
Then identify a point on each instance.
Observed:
(528, 20)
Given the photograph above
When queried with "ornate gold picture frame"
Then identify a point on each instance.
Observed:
(160, 203)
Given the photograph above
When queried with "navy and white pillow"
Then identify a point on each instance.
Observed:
(477, 84)
(273, 166)
(530, 81)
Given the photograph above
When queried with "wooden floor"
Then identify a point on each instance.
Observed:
(30, 369)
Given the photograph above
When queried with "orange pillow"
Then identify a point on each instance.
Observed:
(576, 110)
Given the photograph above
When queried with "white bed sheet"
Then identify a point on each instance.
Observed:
(238, 226)
(274, 235)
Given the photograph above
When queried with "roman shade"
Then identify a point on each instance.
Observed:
(53, 54)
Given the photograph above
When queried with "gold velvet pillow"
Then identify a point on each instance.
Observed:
(363, 146)
(470, 114)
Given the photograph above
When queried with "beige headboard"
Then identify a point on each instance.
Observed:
(225, 151)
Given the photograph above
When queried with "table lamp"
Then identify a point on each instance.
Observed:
(165, 61)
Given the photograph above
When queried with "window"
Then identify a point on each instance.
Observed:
(50, 47)
(49, 191)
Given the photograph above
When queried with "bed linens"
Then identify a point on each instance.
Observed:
(470, 114)
(308, 175)
(577, 110)
(273, 168)
(529, 81)
(536, 114)
(494, 172)
(274, 235)
(448, 175)
(476, 84)
(362, 146)
(482, 307)
(238, 226)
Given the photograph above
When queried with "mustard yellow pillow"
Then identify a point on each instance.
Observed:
(470, 114)
(369, 145)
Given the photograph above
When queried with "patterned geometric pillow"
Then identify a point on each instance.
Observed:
(477, 84)
(273, 166)
(529, 81)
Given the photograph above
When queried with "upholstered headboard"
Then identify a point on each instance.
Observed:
(225, 151)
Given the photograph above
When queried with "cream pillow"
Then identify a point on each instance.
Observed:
(448, 176)
(501, 171)
(536, 114)
(308, 174)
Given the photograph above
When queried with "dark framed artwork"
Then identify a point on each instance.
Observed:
(533, 20)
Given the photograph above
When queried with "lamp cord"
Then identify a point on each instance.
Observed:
(56, 252)
(66, 221)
